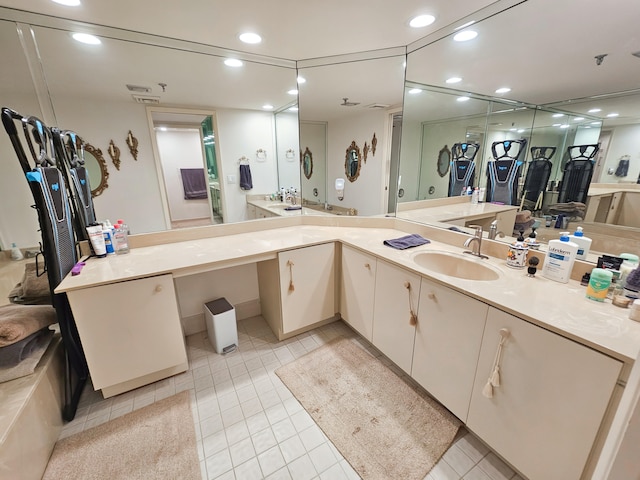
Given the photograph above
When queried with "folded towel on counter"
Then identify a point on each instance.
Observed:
(29, 364)
(32, 289)
(20, 321)
(408, 241)
(246, 182)
(13, 354)
(193, 183)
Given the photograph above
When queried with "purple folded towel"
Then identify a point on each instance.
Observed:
(408, 241)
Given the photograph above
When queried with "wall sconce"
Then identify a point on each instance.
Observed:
(340, 188)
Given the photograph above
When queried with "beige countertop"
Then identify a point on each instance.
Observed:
(455, 211)
(561, 308)
(611, 188)
(278, 208)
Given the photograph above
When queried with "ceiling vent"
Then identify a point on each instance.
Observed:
(147, 100)
(138, 88)
(347, 103)
(636, 54)
(379, 106)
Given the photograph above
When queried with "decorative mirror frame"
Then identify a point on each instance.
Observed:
(104, 172)
(353, 147)
(303, 163)
(444, 161)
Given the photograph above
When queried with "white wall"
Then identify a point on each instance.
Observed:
(624, 141)
(242, 133)
(366, 194)
(435, 137)
(409, 168)
(181, 149)
(287, 139)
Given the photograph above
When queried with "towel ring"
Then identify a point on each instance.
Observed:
(290, 154)
(261, 154)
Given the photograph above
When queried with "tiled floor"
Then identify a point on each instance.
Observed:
(248, 424)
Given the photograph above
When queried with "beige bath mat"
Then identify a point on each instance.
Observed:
(382, 427)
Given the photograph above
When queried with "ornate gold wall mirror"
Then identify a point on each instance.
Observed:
(444, 160)
(352, 162)
(97, 168)
(307, 162)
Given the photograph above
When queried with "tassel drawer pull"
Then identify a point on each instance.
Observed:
(494, 377)
(413, 318)
(290, 265)
(367, 266)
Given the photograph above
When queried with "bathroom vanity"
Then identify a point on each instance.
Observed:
(562, 368)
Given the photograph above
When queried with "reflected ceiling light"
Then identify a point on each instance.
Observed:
(465, 36)
(86, 38)
(163, 129)
(578, 119)
(595, 110)
(595, 123)
(453, 80)
(293, 91)
(503, 90)
(267, 106)
(463, 99)
(301, 79)
(464, 25)
(557, 115)
(611, 115)
(587, 126)
(564, 126)
(293, 109)
(250, 37)
(521, 130)
(422, 21)
(414, 91)
(556, 124)
(68, 3)
(233, 62)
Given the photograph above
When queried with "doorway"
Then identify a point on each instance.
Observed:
(184, 145)
(394, 162)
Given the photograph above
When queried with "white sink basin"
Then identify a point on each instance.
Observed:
(456, 265)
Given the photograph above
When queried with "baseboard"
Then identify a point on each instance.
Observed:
(195, 323)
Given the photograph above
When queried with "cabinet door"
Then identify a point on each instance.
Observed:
(307, 286)
(356, 295)
(553, 393)
(129, 329)
(448, 338)
(393, 333)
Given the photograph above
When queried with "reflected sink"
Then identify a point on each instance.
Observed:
(455, 265)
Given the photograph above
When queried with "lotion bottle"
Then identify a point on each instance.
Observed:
(584, 243)
(558, 263)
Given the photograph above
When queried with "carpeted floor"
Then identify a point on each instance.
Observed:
(154, 442)
(380, 425)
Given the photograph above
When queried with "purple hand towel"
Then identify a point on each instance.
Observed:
(408, 241)
(246, 183)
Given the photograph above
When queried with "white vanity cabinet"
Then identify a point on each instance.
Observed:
(447, 343)
(397, 292)
(357, 290)
(553, 394)
(130, 332)
(297, 290)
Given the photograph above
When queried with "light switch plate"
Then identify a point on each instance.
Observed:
(231, 179)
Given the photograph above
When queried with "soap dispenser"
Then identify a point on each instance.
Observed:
(517, 254)
(584, 243)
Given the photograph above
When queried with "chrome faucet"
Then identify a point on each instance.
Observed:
(476, 240)
(493, 231)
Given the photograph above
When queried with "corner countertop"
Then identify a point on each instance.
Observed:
(454, 211)
(278, 208)
(561, 308)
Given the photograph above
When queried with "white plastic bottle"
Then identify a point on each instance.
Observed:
(584, 243)
(558, 263)
(16, 253)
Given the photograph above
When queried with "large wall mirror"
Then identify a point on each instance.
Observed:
(97, 168)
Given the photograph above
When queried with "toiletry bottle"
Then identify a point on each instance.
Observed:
(531, 240)
(584, 243)
(599, 283)
(107, 232)
(121, 238)
(16, 253)
(629, 263)
(558, 263)
(481, 194)
(475, 195)
(517, 254)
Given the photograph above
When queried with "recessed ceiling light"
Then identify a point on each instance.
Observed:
(463, 99)
(564, 126)
(301, 79)
(595, 110)
(86, 38)
(453, 80)
(293, 91)
(68, 3)
(557, 115)
(578, 119)
(163, 129)
(512, 129)
(233, 62)
(267, 106)
(422, 21)
(465, 36)
(503, 90)
(611, 115)
(414, 91)
(250, 37)
(293, 109)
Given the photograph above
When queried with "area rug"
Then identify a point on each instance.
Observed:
(154, 442)
(381, 426)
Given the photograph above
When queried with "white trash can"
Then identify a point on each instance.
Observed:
(220, 317)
